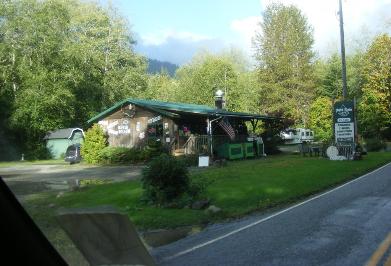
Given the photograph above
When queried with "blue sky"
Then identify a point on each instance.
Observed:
(174, 30)
(209, 17)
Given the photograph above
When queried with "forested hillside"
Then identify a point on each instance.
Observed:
(156, 67)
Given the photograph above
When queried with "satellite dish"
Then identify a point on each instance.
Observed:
(332, 152)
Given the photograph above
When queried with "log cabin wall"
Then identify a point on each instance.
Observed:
(131, 131)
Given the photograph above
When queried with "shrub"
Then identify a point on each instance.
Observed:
(154, 148)
(271, 144)
(122, 155)
(95, 141)
(374, 144)
(164, 179)
(189, 160)
(198, 186)
(114, 155)
(37, 152)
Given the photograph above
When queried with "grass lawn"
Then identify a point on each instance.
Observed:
(239, 188)
(17, 163)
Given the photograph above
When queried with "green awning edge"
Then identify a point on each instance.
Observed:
(165, 109)
(116, 106)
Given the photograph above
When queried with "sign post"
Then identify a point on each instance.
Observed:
(344, 126)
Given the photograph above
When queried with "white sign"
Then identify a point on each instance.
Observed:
(343, 110)
(344, 120)
(154, 119)
(110, 128)
(123, 129)
(203, 161)
(344, 131)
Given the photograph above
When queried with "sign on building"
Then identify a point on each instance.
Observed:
(344, 122)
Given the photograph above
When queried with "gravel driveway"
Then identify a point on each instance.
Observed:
(30, 179)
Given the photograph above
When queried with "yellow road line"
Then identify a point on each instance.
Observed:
(379, 253)
(388, 262)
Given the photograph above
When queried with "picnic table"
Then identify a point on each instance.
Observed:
(313, 149)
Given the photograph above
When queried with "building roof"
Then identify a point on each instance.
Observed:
(64, 133)
(172, 109)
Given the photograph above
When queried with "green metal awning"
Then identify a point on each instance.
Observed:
(175, 110)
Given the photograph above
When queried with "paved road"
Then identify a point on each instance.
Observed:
(344, 226)
(30, 179)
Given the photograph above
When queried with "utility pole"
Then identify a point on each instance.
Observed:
(344, 86)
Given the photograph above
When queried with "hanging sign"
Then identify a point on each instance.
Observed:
(344, 121)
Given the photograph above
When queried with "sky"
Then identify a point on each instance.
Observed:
(174, 30)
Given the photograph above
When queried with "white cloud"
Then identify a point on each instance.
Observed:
(362, 20)
(246, 28)
(177, 47)
(161, 37)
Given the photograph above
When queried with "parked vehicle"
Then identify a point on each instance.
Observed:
(72, 155)
(297, 135)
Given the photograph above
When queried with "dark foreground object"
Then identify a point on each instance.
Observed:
(21, 240)
(105, 237)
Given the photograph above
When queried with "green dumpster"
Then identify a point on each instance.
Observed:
(230, 151)
(248, 148)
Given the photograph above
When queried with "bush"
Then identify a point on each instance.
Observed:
(122, 155)
(164, 180)
(189, 160)
(114, 155)
(271, 144)
(198, 186)
(37, 152)
(95, 141)
(374, 144)
(154, 148)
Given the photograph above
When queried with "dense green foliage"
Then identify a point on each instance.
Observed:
(374, 144)
(61, 63)
(285, 58)
(122, 155)
(165, 179)
(94, 142)
(329, 74)
(321, 119)
(375, 104)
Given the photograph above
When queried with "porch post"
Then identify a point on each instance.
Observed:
(254, 123)
(209, 131)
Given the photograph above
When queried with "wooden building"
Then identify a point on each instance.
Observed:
(183, 128)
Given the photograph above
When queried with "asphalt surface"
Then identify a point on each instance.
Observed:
(343, 226)
(30, 179)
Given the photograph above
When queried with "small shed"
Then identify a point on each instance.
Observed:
(58, 141)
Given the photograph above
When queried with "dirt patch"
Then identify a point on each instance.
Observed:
(22, 188)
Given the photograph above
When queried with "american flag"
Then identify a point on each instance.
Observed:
(224, 124)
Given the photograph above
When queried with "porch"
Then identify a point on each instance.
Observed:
(221, 146)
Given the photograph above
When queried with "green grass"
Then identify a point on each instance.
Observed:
(19, 163)
(239, 188)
